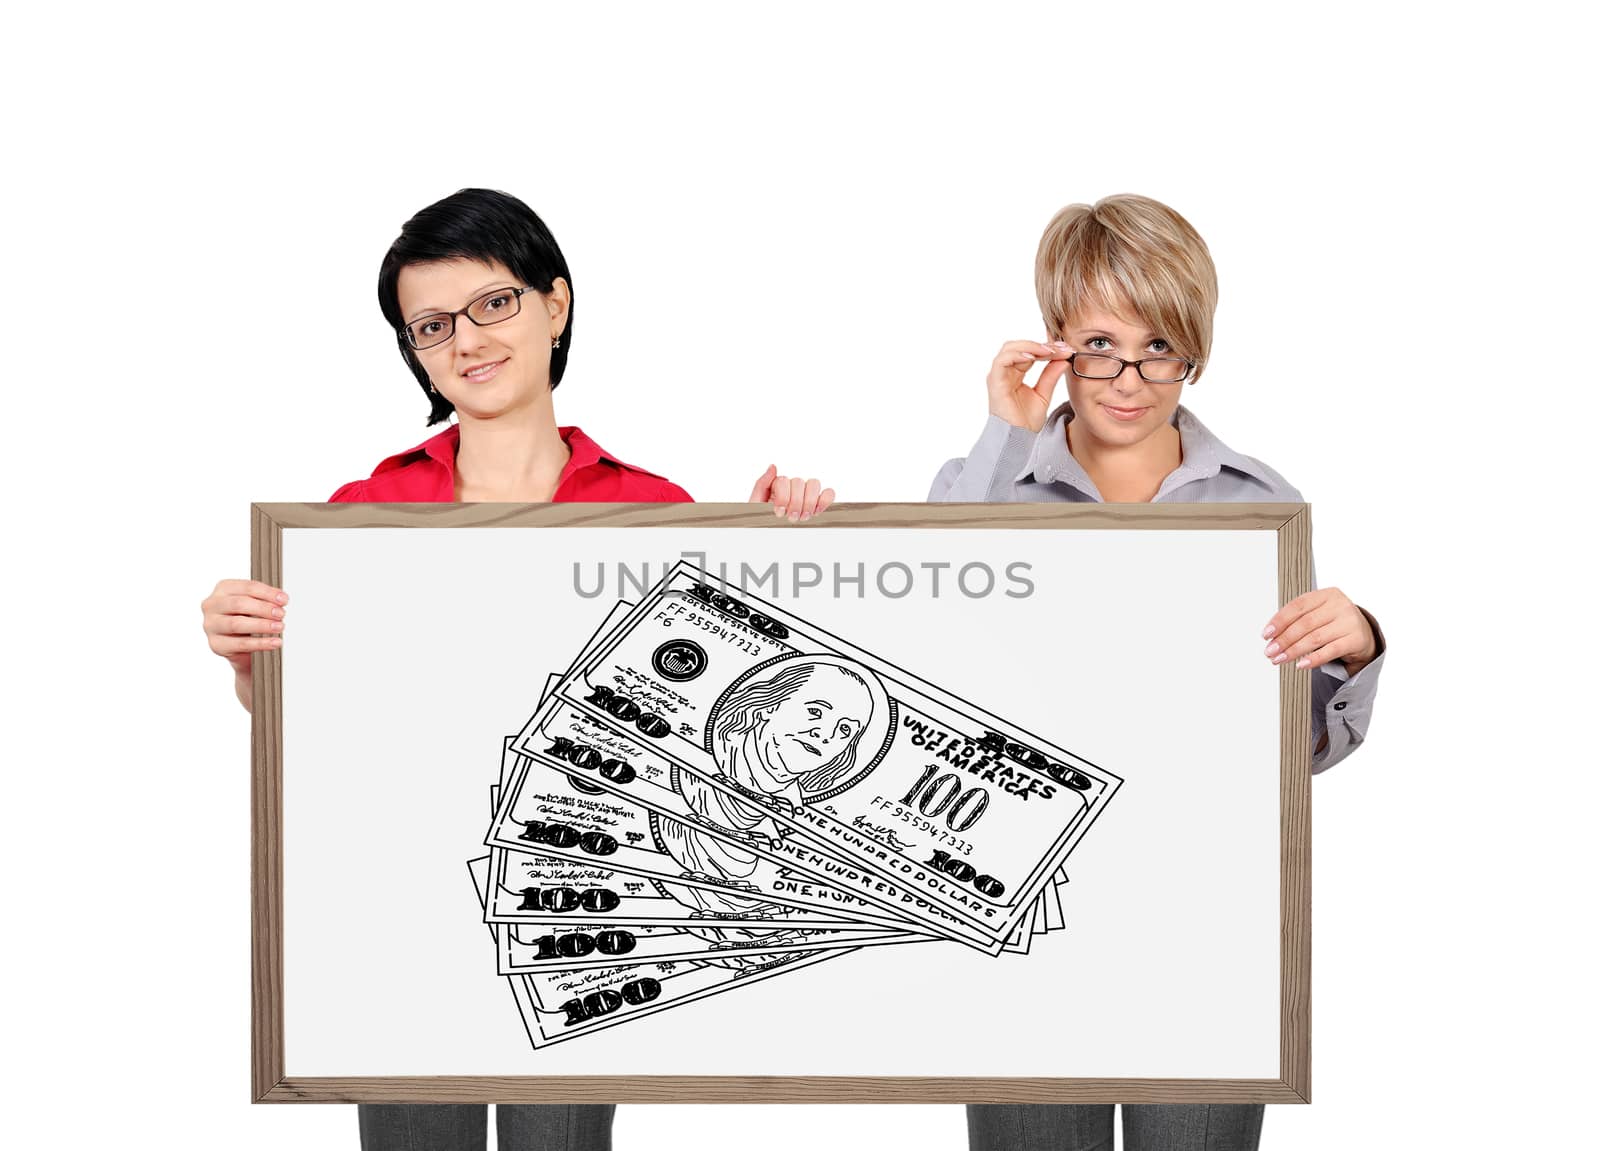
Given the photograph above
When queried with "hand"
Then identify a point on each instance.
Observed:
(1320, 626)
(1010, 396)
(240, 617)
(796, 498)
(784, 805)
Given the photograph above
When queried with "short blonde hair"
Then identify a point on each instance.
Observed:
(1127, 254)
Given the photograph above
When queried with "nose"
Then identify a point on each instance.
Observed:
(470, 338)
(1127, 381)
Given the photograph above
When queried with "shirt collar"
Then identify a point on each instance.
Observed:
(442, 450)
(1204, 456)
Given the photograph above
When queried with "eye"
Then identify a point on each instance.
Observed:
(1098, 344)
(845, 729)
(430, 328)
(496, 303)
(1160, 347)
(813, 713)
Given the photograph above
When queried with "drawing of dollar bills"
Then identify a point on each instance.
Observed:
(769, 716)
(561, 1005)
(739, 843)
(559, 815)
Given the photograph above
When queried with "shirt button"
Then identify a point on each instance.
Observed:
(1340, 705)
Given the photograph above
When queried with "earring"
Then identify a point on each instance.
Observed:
(555, 343)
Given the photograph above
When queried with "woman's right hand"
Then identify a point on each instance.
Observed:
(243, 616)
(1011, 397)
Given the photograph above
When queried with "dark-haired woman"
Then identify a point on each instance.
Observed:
(481, 302)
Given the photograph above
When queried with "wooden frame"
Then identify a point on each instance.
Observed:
(1290, 522)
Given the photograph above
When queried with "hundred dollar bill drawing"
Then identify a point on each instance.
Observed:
(637, 822)
(563, 816)
(580, 946)
(768, 717)
(561, 1005)
(619, 611)
(544, 890)
(634, 869)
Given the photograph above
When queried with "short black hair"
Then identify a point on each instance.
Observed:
(474, 224)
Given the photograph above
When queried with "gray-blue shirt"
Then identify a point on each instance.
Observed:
(1013, 465)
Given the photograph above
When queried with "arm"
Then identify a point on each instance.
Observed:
(1341, 702)
(1344, 647)
(1017, 411)
(988, 469)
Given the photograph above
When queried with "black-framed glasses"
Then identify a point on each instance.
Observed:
(1162, 370)
(437, 327)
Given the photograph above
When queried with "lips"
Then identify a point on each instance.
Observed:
(483, 372)
(1126, 415)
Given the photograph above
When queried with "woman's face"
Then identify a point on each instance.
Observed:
(1123, 411)
(485, 371)
(816, 724)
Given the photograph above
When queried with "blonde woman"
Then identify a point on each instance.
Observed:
(1128, 290)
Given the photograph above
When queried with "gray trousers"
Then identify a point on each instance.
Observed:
(1087, 1127)
(990, 1127)
(465, 1126)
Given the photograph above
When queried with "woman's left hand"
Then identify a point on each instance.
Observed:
(1320, 626)
(789, 496)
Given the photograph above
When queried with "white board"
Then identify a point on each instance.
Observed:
(415, 652)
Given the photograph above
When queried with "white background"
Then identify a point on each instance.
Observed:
(799, 235)
(1169, 963)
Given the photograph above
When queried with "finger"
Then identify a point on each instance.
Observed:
(780, 496)
(1318, 617)
(249, 587)
(242, 625)
(763, 487)
(1330, 633)
(251, 606)
(1293, 610)
(1032, 349)
(1048, 379)
(824, 500)
(1338, 649)
(226, 645)
(1022, 354)
(808, 499)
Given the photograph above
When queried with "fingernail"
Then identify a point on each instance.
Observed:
(1277, 659)
(282, 598)
(794, 517)
(778, 510)
(1268, 632)
(1273, 648)
(276, 625)
(278, 612)
(274, 640)
(1304, 661)
(804, 516)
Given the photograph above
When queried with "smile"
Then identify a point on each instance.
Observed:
(1124, 413)
(483, 372)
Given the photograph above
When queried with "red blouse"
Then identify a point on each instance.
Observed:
(427, 474)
